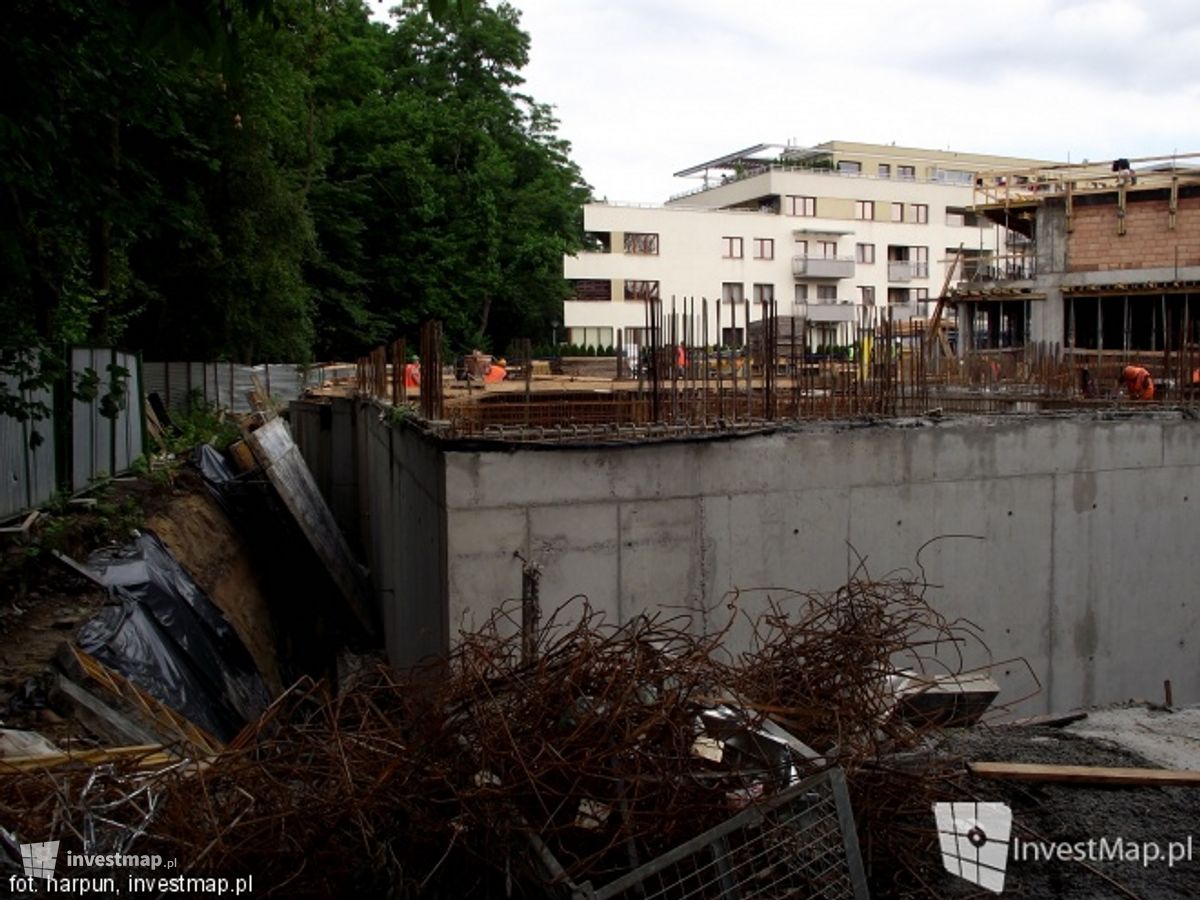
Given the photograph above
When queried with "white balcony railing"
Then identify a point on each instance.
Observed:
(900, 270)
(823, 266)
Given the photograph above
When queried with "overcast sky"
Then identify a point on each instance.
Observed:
(644, 88)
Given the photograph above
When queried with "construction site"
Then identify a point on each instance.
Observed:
(691, 620)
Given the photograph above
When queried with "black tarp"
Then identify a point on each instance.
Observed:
(167, 637)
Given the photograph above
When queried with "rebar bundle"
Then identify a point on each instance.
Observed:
(609, 743)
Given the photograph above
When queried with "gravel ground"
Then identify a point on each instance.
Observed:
(1077, 813)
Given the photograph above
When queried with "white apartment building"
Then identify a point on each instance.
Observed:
(828, 232)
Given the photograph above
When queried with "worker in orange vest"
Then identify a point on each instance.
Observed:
(412, 373)
(1138, 383)
(681, 359)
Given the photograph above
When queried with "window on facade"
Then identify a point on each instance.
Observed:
(731, 292)
(885, 170)
(827, 292)
(764, 248)
(906, 173)
(641, 243)
(921, 295)
(731, 337)
(590, 337)
(800, 248)
(921, 213)
(956, 218)
(849, 167)
(801, 206)
(920, 261)
(897, 295)
(731, 247)
(864, 253)
(641, 290)
(866, 294)
(897, 212)
(954, 176)
(598, 290)
(764, 293)
(827, 249)
(864, 209)
(801, 293)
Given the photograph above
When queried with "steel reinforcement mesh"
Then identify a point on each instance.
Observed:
(800, 843)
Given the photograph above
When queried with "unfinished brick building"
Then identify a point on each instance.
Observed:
(1102, 266)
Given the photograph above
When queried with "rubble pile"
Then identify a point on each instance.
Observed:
(569, 755)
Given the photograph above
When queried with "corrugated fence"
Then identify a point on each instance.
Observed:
(82, 440)
(226, 384)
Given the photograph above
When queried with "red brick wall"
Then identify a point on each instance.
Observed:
(1094, 244)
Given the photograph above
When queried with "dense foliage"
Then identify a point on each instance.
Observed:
(274, 179)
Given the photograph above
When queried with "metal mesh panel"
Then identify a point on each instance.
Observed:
(800, 843)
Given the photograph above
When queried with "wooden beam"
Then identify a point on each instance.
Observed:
(1129, 777)
(147, 756)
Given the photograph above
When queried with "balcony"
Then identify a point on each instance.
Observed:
(823, 267)
(900, 270)
(829, 310)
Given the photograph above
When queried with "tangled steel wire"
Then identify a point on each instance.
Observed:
(601, 743)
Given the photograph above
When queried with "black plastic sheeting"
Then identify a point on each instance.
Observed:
(168, 638)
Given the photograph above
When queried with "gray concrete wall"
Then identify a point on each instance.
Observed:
(386, 487)
(1081, 556)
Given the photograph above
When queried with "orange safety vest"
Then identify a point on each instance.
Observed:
(1138, 382)
(412, 375)
(680, 358)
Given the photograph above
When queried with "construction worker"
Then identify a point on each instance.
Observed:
(681, 359)
(1138, 383)
(412, 373)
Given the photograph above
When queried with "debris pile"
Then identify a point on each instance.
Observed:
(568, 754)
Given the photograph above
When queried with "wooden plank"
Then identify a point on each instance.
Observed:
(147, 756)
(1130, 777)
(280, 458)
(97, 716)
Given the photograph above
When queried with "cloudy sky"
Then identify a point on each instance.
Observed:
(644, 88)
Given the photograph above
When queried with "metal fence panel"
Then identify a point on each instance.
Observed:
(227, 385)
(26, 474)
(102, 446)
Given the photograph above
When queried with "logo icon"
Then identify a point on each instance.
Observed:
(974, 839)
(39, 859)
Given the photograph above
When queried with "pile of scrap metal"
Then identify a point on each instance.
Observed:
(576, 757)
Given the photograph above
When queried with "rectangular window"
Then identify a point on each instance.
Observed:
(764, 248)
(731, 337)
(827, 249)
(849, 167)
(801, 206)
(864, 253)
(764, 293)
(594, 290)
(801, 248)
(897, 295)
(922, 294)
(906, 173)
(590, 337)
(641, 290)
(897, 212)
(866, 294)
(864, 209)
(731, 292)
(731, 247)
(827, 293)
(921, 213)
(920, 261)
(885, 170)
(956, 218)
(801, 293)
(641, 243)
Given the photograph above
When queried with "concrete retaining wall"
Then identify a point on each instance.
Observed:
(1076, 547)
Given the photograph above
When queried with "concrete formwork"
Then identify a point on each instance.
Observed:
(1067, 539)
